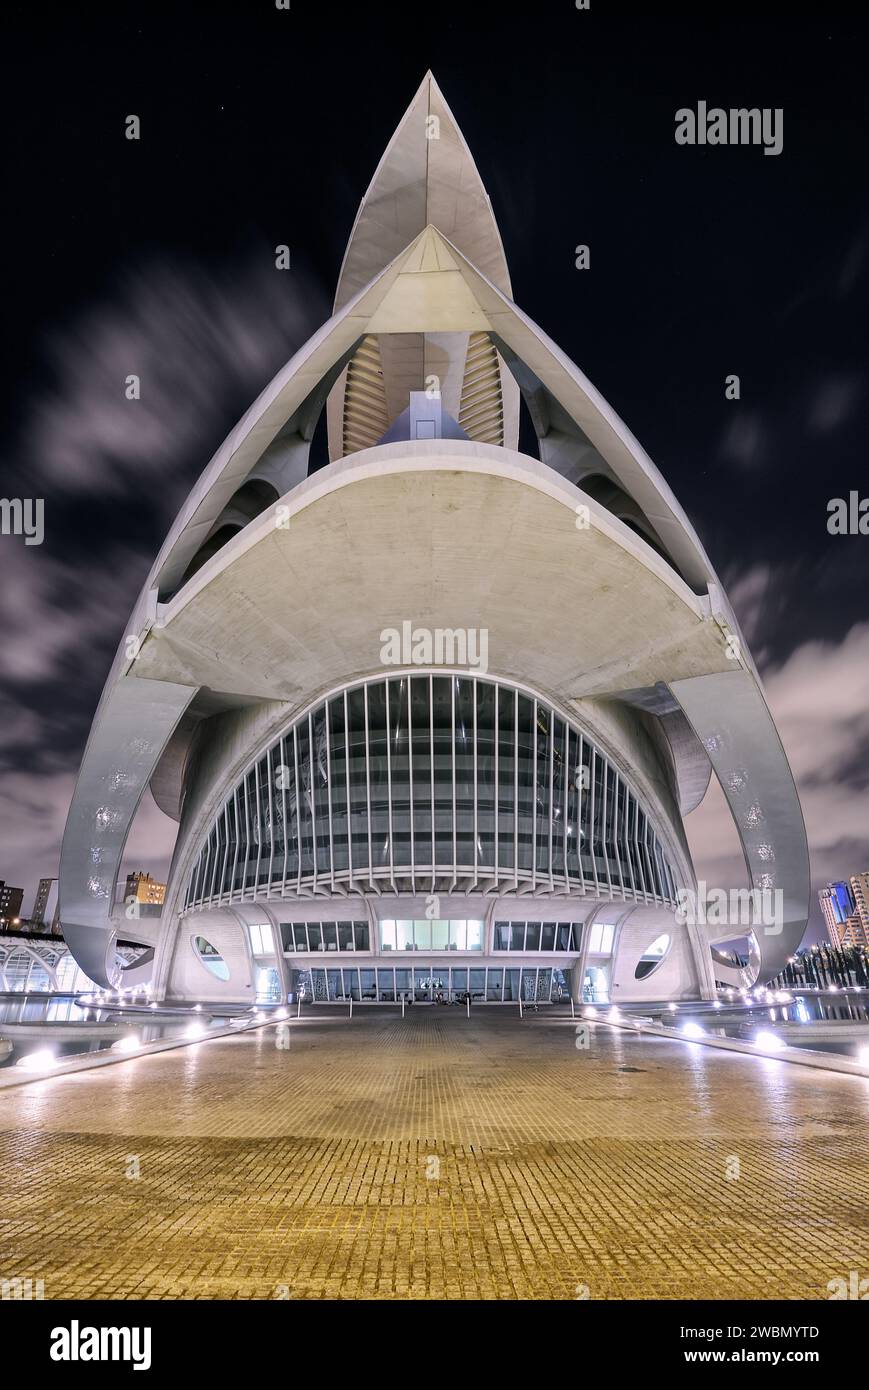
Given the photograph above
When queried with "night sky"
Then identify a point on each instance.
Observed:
(262, 127)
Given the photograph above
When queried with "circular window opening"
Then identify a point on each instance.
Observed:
(652, 957)
(210, 957)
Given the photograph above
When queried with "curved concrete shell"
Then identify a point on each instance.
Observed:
(276, 592)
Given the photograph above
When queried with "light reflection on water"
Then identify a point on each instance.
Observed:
(834, 1022)
(71, 1029)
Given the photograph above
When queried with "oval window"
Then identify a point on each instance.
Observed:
(210, 957)
(652, 957)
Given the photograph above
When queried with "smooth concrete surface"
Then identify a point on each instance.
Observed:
(433, 1158)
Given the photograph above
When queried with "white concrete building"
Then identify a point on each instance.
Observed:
(430, 717)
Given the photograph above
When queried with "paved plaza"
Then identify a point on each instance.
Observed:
(436, 1157)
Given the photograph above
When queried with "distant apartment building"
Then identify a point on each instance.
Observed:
(40, 903)
(142, 888)
(10, 903)
(860, 893)
(837, 905)
(845, 909)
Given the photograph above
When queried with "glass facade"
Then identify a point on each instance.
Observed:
(325, 936)
(261, 938)
(39, 967)
(426, 935)
(433, 982)
(600, 941)
(431, 783)
(538, 936)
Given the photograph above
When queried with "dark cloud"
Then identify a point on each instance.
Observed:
(195, 342)
(744, 440)
(113, 473)
(834, 402)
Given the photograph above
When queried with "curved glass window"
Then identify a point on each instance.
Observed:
(210, 957)
(652, 957)
(431, 784)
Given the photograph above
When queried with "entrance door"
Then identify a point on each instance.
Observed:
(431, 984)
(595, 988)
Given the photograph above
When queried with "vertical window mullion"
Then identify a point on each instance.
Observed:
(205, 876)
(592, 848)
(453, 683)
(648, 856)
(349, 802)
(270, 774)
(627, 840)
(203, 886)
(659, 868)
(551, 716)
(603, 810)
(534, 799)
(284, 771)
(386, 686)
(225, 851)
(329, 831)
(615, 820)
(246, 840)
(566, 812)
(410, 803)
(497, 783)
(259, 828)
(636, 839)
(298, 793)
(367, 798)
(196, 894)
(215, 861)
(476, 785)
(516, 791)
(312, 763)
(432, 775)
(237, 843)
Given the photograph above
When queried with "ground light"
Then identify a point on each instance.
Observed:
(692, 1030)
(863, 1056)
(42, 1060)
(130, 1043)
(767, 1040)
(195, 1030)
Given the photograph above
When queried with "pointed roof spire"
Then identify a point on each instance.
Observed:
(426, 176)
